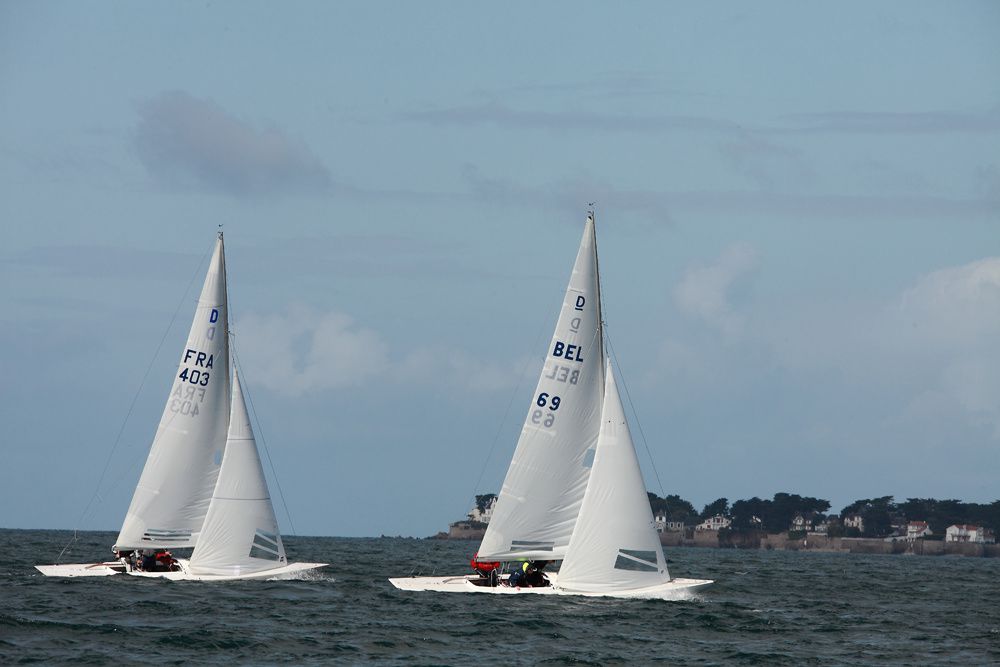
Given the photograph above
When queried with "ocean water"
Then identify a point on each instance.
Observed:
(767, 608)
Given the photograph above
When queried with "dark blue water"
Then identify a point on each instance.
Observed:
(768, 608)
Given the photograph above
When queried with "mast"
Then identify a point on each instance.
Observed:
(592, 217)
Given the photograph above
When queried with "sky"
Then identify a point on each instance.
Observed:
(798, 219)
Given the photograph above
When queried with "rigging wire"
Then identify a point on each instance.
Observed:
(621, 374)
(635, 414)
(131, 407)
(260, 432)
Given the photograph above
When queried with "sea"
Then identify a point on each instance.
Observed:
(766, 608)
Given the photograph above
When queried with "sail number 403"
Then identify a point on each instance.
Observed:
(543, 401)
(195, 377)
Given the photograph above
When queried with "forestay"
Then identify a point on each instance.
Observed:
(240, 534)
(175, 488)
(541, 494)
(615, 546)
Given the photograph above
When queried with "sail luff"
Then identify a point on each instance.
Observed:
(176, 484)
(540, 498)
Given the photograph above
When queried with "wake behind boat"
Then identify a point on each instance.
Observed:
(203, 485)
(574, 491)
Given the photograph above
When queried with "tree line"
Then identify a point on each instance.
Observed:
(879, 515)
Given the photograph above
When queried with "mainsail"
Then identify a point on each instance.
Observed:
(615, 545)
(175, 488)
(240, 534)
(538, 504)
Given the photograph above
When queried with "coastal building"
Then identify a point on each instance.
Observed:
(854, 521)
(663, 524)
(917, 529)
(716, 522)
(822, 527)
(484, 515)
(965, 532)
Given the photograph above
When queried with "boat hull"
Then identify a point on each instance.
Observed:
(83, 569)
(117, 567)
(675, 589)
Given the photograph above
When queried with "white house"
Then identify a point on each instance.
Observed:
(821, 528)
(665, 525)
(854, 521)
(714, 523)
(917, 529)
(485, 515)
(799, 522)
(968, 533)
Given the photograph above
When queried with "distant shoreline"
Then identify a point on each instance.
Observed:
(710, 539)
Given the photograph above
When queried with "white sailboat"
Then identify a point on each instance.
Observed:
(203, 485)
(574, 491)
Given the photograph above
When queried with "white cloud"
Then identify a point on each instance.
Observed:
(704, 291)
(955, 306)
(306, 350)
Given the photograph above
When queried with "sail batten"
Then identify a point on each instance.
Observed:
(545, 483)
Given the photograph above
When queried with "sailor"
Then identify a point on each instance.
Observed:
(517, 577)
(164, 561)
(485, 569)
(534, 577)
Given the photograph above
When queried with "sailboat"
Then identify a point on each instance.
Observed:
(574, 491)
(203, 485)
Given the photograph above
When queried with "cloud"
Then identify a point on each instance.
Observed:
(307, 350)
(704, 292)
(501, 115)
(955, 307)
(765, 162)
(567, 195)
(869, 122)
(665, 205)
(186, 141)
(460, 368)
(928, 351)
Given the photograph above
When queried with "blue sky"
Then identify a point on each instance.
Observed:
(798, 218)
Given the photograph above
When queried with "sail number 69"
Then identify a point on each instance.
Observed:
(553, 401)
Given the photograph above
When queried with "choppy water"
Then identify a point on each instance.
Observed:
(768, 608)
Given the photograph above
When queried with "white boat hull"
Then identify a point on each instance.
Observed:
(117, 567)
(83, 569)
(675, 589)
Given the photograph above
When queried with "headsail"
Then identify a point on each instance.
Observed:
(615, 546)
(174, 491)
(541, 495)
(240, 534)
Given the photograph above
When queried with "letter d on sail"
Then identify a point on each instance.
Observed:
(213, 318)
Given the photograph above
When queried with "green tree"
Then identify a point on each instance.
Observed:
(720, 506)
(483, 500)
(673, 507)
